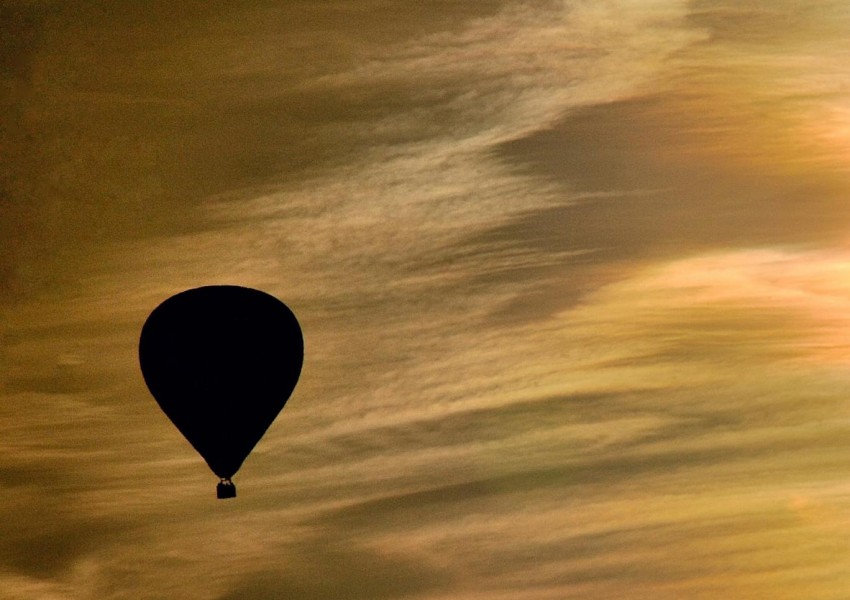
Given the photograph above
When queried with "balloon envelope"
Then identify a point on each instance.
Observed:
(221, 362)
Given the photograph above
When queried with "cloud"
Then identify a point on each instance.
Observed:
(722, 154)
(125, 124)
(48, 528)
(663, 406)
(639, 186)
(325, 568)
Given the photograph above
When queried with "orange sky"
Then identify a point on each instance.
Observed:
(572, 277)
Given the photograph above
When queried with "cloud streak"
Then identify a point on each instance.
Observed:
(571, 276)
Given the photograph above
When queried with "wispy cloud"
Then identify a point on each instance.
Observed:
(571, 276)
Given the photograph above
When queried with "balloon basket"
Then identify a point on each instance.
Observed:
(225, 489)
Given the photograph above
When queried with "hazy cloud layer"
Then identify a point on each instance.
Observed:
(571, 276)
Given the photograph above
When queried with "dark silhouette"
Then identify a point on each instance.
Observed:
(221, 362)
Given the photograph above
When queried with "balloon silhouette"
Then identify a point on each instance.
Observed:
(221, 361)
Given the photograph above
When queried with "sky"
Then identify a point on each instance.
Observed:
(573, 276)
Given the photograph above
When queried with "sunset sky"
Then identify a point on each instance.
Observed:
(573, 276)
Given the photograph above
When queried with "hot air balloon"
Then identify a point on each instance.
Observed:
(221, 361)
